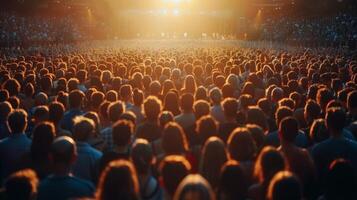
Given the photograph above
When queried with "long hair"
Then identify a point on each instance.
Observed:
(118, 181)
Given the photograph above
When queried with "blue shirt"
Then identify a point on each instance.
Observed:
(87, 163)
(273, 139)
(12, 150)
(64, 187)
(67, 121)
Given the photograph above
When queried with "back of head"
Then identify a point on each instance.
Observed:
(152, 108)
(114, 110)
(284, 185)
(6, 109)
(83, 128)
(122, 132)
(196, 187)
(21, 185)
(63, 150)
(43, 136)
(241, 145)
(17, 121)
(230, 107)
(288, 129)
(215, 95)
(56, 111)
(75, 98)
(256, 116)
(233, 183)
(186, 101)
(118, 181)
(201, 108)
(174, 140)
(335, 119)
(173, 169)
(142, 156)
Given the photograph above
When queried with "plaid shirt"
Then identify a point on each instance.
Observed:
(108, 138)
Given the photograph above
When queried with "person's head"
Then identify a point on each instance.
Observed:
(56, 112)
(233, 182)
(201, 108)
(17, 121)
(122, 132)
(312, 111)
(165, 117)
(268, 163)
(118, 181)
(318, 131)
(340, 182)
(6, 109)
(171, 102)
(230, 108)
(256, 116)
(42, 137)
(352, 102)
(126, 92)
(4, 95)
(115, 110)
(335, 119)
(142, 156)
(284, 185)
(194, 186)
(41, 99)
(190, 84)
(257, 134)
(174, 141)
(186, 102)
(83, 128)
(241, 145)
(21, 185)
(40, 114)
(288, 129)
(152, 108)
(96, 99)
(138, 97)
(214, 155)
(94, 116)
(206, 127)
(324, 96)
(277, 94)
(63, 151)
(75, 99)
(173, 169)
(201, 93)
(12, 86)
(281, 113)
(215, 95)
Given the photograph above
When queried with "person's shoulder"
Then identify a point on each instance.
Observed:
(81, 182)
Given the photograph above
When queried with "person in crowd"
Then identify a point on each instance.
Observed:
(194, 186)
(230, 108)
(233, 182)
(122, 133)
(284, 185)
(173, 170)
(138, 99)
(21, 185)
(150, 128)
(143, 159)
(114, 111)
(75, 100)
(216, 108)
(187, 117)
(16, 145)
(86, 165)
(61, 184)
(118, 181)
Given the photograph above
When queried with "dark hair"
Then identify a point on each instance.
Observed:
(56, 111)
(42, 138)
(12, 86)
(230, 107)
(206, 127)
(335, 119)
(256, 116)
(201, 108)
(241, 145)
(187, 101)
(138, 97)
(115, 109)
(233, 183)
(17, 121)
(284, 185)
(288, 129)
(118, 173)
(142, 156)
(122, 132)
(152, 107)
(173, 169)
(21, 185)
(75, 98)
(171, 103)
(174, 139)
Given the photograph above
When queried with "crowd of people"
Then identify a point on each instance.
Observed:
(328, 31)
(206, 123)
(18, 29)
